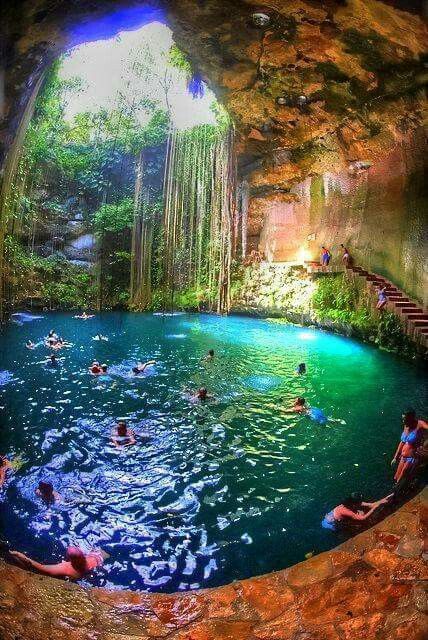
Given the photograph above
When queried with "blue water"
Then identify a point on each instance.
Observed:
(232, 488)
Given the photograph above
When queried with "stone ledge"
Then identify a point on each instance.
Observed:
(373, 587)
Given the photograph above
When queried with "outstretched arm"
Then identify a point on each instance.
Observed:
(56, 570)
(364, 516)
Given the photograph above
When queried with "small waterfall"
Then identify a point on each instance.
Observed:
(200, 225)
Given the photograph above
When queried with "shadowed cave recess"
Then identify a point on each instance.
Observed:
(165, 165)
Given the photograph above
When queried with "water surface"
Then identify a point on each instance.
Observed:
(229, 489)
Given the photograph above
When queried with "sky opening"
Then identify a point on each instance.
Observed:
(133, 66)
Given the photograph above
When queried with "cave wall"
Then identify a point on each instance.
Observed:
(380, 213)
(360, 66)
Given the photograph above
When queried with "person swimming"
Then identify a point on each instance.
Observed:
(123, 436)
(52, 362)
(209, 356)
(301, 368)
(30, 345)
(5, 466)
(141, 367)
(201, 395)
(99, 336)
(95, 368)
(84, 316)
(300, 406)
(74, 567)
(351, 509)
(46, 492)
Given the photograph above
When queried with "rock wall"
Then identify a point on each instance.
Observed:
(380, 213)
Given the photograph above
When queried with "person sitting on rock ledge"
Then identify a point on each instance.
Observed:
(74, 567)
(352, 509)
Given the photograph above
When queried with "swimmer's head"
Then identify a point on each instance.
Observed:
(202, 393)
(301, 368)
(211, 353)
(409, 418)
(51, 332)
(46, 490)
(77, 559)
(53, 357)
(301, 401)
(104, 368)
(122, 429)
(353, 501)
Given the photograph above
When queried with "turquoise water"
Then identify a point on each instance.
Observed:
(229, 489)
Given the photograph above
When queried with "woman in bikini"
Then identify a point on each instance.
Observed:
(353, 508)
(411, 438)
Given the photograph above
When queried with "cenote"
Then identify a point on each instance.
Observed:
(212, 492)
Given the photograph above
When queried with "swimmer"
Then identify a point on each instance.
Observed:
(122, 436)
(201, 395)
(85, 316)
(209, 356)
(352, 508)
(300, 406)
(74, 567)
(52, 362)
(141, 367)
(104, 368)
(5, 466)
(95, 368)
(46, 492)
(30, 345)
(99, 336)
(301, 369)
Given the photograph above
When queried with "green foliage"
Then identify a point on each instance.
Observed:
(114, 217)
(191, 299)
(331, 71)
(370, 46)
(177, 59)
(53, 280)
(390, 334)
(347, 303)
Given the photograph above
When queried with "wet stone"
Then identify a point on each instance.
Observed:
(409, 547)
(420, 597)
(268, 596)
(313, 570)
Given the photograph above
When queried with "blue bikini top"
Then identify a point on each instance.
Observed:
(409, 438)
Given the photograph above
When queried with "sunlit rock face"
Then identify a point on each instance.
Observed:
(379, 211)
(327, 102)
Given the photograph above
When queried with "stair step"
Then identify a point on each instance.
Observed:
(395, 298)
(401, 303)
(420, 323)
(417, 316)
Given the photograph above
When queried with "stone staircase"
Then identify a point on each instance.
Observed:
(413, 317)
(411, 314)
